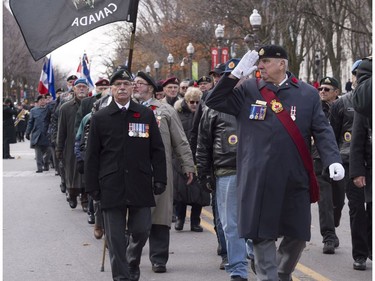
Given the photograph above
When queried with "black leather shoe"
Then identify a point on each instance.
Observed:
(224, 261)
(39, 171)
(337, 242)
(360, 264)
(63, 187)
(329, 248)
(196, 228)
(159, 268)
(134, 273)
(72, 202)
(91, 218)
(45, 168)
(179, 225)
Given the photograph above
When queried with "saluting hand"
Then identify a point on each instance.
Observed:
(246, 65)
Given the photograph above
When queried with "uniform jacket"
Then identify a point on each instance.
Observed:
(175, 143)
(120, 164)
(193, 193)
(37, 126)
(273, 185)
(65, 142)
(217, 143)
(341, 120)
(9, 131)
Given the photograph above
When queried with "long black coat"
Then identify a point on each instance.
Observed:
(9, 131)
(193, 193)
(273, 185)
(121, 166)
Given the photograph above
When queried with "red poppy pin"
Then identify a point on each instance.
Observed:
(136, 115)
(153, 107)
(295, 80)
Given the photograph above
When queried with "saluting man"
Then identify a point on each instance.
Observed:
(276, 118)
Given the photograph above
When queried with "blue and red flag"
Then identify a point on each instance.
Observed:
(47, 80)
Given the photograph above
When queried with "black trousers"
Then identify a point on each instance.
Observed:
(331, 202)
(158, 243)
(360, 214)
(115, 223)
(195, 215)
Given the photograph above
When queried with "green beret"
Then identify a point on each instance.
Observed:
(121, 74)
(329, 81)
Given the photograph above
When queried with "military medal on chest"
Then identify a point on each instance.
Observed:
(276, 106)
(293, 112)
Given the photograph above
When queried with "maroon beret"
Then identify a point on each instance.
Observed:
(172, 80)
(102, 82)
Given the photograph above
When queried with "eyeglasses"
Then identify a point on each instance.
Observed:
(324, 89)
(193, 102)
(184, 87)
(138, 84)
(125, 83)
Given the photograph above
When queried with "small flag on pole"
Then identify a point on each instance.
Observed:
(83, 70)
(47, 80)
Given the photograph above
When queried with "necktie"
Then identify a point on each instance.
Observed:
(123, 109)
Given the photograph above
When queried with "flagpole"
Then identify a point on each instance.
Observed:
(132, 37)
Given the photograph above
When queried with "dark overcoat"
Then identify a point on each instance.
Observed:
(273, 185)
(65, 142)
(120, 164)
(192, 193)
(9, 131)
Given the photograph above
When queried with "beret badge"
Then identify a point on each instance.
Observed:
(261, 52)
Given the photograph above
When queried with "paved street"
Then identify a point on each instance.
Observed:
(44, 239)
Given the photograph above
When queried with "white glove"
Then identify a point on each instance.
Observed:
(336, 171)
(246, 65)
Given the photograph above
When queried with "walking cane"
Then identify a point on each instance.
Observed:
(103, 259)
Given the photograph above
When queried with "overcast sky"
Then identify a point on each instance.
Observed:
(94, 43)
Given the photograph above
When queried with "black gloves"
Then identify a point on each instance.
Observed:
(207, 183)
(80, 166)
(159, 188)
(95, 195)
(27, 136)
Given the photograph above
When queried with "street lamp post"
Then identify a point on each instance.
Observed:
(170, 60)
(148, 69)
(156, 66)
(256, 22)
(190, 50)
(219, 34)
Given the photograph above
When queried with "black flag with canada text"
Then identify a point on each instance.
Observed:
(49, 24)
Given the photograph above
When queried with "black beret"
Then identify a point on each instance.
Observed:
(122, 74)
(39, 97)
(219, 69)
(204, 79)
(59, 90)
(329, 81)
(102, 82)
(148, 79)
(272, 51)
(172, 80)
(72, 77)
